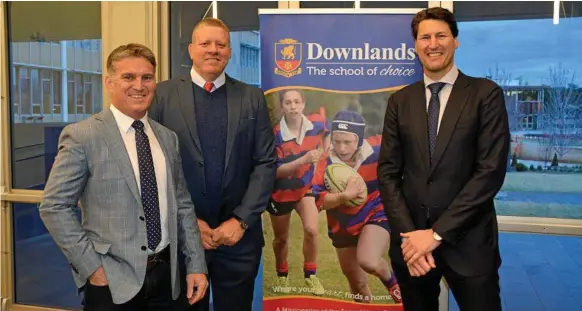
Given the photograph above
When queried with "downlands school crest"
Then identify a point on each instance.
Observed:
(288, 53)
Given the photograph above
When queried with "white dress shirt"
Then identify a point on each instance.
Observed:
(198, 80)
(127, 132)
(445, 92)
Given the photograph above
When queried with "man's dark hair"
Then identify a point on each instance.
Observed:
(436, 13)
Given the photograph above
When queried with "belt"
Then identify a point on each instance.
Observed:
(161, 256)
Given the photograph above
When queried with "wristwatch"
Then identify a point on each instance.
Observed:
(242, 223)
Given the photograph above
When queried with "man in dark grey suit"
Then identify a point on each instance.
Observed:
(228, 151)
(442, 161)
(125, 169)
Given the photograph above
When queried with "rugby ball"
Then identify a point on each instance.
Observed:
(336, 179)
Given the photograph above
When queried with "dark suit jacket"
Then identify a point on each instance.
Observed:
(250, 154)
(455, 194)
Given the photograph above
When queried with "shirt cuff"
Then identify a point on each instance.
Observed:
(436, 236)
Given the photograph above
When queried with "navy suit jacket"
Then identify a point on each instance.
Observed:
(453, 194)
(250, 164)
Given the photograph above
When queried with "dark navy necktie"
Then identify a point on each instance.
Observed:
(434, 107)
(148, 185)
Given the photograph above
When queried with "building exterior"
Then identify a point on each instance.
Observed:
(61, 81)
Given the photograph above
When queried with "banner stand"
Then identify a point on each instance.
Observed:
(327, 75)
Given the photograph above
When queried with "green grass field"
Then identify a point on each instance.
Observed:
(543, 182)
(328, 269)
(533, 209)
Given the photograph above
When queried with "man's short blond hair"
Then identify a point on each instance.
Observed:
(213, 22)
(130, 50)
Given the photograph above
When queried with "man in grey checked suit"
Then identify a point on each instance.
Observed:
(125, 170)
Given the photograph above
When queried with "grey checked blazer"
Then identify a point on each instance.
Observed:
(92, 167)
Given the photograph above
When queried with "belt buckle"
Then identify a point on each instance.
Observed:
(153, 258)
(156, 257)
(152, 262)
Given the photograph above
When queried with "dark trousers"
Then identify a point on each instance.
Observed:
(232, 278)
(477, 293)
(155, 294)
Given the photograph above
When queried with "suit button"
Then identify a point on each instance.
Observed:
(202, 193)
(143, 248)
(429, 181)
(422, 206)
(141, 218)
(200, 164)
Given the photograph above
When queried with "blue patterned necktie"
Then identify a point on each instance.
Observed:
(148, 185)
(434, 107)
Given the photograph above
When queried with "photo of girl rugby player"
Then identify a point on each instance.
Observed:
(301, 140)
(360, 234)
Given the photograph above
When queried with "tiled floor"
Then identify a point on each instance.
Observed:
(539, 273)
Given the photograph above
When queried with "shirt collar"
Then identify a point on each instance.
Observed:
(198, 80)
(124, 121)
(449, 78)
(286, 134)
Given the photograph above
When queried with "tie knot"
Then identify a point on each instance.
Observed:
(435, 88)
(137, 125)
(208, 86)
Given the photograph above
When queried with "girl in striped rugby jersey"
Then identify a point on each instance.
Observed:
(300, 142)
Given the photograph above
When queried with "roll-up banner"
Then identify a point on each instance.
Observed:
(327, 76)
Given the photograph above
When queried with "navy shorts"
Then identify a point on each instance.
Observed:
(280, 209)
(343, 241)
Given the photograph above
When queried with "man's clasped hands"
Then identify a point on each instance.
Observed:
(228, 233)
(417, 248)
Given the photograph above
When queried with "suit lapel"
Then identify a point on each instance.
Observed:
(114, 142)
(455, 104)
(163, 141)
(234, 102)
(418, 114)
(186, 94)
(165, 144)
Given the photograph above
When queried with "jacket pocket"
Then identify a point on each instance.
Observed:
(101, 247)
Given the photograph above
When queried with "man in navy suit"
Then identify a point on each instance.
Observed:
(228, 150)
(442, 161)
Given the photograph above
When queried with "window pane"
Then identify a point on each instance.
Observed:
(36, 94)
(246, 52)
(47, 97)
(42, 275)
(326, 4)
(24, 91)
(243, 15)
(513, 10)
(88, 90)
(56, 95)
(71, 102)
(394, 4)
(363, 4)
(538, 64)
(40, 53)
(79, 100)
